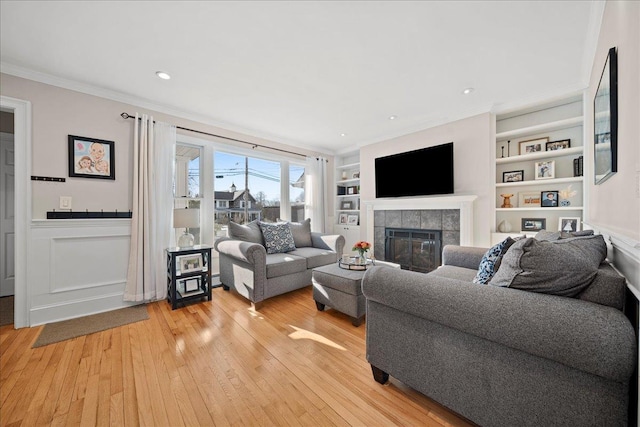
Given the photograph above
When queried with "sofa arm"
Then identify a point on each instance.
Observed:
(253, 253)
(463, 256)
(333, 242)
(576, 333)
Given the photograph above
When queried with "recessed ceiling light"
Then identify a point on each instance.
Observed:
(393, 117)
(343, 134)
(468, 90)
(163, 75)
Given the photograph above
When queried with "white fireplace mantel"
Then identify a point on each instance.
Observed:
(463, 203)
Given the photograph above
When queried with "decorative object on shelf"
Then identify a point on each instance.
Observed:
(504, 226)
(558, 145)
(549, 199)
(190, 263)
(506, 203)
(362, 248)
(344, 175)
(509, 148)
(91, 158)
(545, 169)
(533, 224)
(532, 145)
(565, 195)
(569, 224)
(577, 166)
(347, 205)
(513, 176)
(186, 218)
(352, 220)
(605, 120)
(342, 219)
(502, 152)
(341, 191)
(356, 175)
(529, 199)
(352, 190)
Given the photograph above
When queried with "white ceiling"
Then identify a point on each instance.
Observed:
(304, 72)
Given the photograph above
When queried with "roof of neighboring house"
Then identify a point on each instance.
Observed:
(231, 195)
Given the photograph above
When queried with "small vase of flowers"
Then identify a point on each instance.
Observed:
(362, 247)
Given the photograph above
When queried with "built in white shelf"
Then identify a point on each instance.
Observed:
(349, 166)
(540, 155)
(348, 181)
(532, 130)
(540, 182)
(560, 208)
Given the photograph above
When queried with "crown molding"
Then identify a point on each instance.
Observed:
(135, 101)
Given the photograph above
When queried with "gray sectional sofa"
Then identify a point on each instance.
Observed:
(248, 268)
(512, 352)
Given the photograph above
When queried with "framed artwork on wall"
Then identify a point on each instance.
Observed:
(91, 158)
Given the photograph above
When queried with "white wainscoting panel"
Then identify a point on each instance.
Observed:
(77, 268)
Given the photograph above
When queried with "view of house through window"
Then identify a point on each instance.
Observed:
(244, 189)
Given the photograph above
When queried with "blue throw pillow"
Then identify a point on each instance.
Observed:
(491, 261)
(277, 237)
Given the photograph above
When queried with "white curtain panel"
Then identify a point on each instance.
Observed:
(151, 228)
(316, 193)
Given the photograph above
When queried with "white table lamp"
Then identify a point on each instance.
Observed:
(186, 218)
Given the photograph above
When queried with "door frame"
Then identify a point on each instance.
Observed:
(22, 189)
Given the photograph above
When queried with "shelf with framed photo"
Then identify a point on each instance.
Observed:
(347, 200)
(537, 151)
(188, 274)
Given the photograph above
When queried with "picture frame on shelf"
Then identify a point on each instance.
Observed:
(513, 176)
(533, 224)
(355, 175)
(558, 145)
(568, 224)
(342, 219)
(190, 263)
(190, 285)
(347, 205)
(605, 121)
(352, 190)
(529, 199)
(533, 145)
(549, 199)
(352, 220)
(545, 169)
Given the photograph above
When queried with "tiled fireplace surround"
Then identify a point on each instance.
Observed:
(445, 220)
(453, 215)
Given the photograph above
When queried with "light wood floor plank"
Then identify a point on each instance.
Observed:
(215, 363)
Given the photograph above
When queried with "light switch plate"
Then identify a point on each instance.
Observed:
(65, 202)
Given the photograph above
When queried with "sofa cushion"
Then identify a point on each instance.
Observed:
(248, 232)
(301, 233)
(454, 272)
(491, 261)
(562, 267)
(277, 237)
(608, 288)
(284, 264)
(316, 257)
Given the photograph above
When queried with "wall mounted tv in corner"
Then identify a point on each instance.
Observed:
(423, 172)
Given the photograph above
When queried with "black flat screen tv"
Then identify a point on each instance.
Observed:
(421, 172)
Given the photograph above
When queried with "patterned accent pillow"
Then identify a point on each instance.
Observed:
(491, 261)
(277, 237)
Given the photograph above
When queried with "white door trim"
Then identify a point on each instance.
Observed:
(22, 138)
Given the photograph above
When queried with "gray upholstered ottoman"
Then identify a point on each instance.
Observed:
(341, 290)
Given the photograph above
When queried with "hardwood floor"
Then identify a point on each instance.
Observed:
(209, 363)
